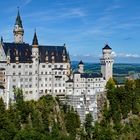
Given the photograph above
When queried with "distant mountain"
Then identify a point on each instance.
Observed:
(118, 68)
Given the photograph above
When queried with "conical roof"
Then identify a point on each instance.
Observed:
(107, 47)
(35, 40)
(18, 20)
(81, 63)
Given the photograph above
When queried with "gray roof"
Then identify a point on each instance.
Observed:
(81, 63)
(24, 51)
(35, 40)
(91, 75)
(18, 20)
(69, 80)
(107, 47)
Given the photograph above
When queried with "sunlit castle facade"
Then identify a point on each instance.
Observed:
(37, 69)
(43, 69)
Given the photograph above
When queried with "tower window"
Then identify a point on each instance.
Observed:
(14, 66)
(19, 66)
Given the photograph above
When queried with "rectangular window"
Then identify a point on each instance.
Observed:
(19, 66)
(43, 66)
(49, 66)
(30, 66)
(30, 79)
(14, 66)
(30, 73)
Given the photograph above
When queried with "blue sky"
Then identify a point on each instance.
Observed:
(84, 25)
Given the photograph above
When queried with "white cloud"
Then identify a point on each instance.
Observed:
(125, 55)
(133, 55)
(26, 2)
(114, 54)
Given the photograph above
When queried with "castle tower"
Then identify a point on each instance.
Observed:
(107, 63)
(18, 30)
(81, 67)
(35, 59)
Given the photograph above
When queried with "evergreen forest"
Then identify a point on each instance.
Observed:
(49, 119)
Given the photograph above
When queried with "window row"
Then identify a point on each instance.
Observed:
(19, 66)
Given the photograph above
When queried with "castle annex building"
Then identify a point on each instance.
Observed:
(43, 69)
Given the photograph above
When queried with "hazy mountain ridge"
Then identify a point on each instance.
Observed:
(118, 68)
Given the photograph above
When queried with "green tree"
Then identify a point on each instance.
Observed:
(110, 84)
(88, 125)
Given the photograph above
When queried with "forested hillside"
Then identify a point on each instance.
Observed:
(44, 119)
(121, 113)
(48, 119)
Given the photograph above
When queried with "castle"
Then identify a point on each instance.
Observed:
(43, 69)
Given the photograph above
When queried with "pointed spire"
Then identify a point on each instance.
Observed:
(81, 63)
(8, 52)
(68, 57)
(1, 40)
(18, 20)
(35, 40)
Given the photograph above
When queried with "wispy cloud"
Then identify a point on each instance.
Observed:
(26, 2)
(125, 55)
(57, 14)
(113, 7)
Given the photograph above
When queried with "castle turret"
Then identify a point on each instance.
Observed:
(1, 40)
(35, 59)
(18, 30)
(8, 56)
(81, 67)
(107, 63)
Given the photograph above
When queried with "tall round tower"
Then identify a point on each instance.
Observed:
(107, 62)
(81, 67)
(18, 30)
